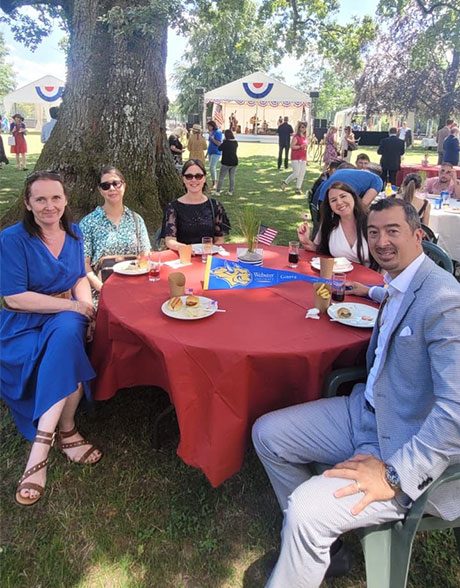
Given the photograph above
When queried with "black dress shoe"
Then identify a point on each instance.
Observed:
(341, 560)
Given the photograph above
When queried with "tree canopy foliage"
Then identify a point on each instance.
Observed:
(416, 60)
(7, 74)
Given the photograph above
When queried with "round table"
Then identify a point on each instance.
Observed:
(431, 171)
(224, 371)
(446, 223)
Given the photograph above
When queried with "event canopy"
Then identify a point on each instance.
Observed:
(258, 95)
(43, 93)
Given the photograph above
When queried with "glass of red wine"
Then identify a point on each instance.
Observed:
(154, 266)
(338, 287)
(293, 258)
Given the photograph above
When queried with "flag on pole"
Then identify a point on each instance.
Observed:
(304, 115)
(218, 116)
(266, 235)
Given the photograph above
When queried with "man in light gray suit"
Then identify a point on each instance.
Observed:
(393, 436)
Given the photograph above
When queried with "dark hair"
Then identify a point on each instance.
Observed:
(28, 219)
(410, 213)
(229, 134)
(346, 165)
(212, 124)
(330, 221)
(335, 164)
(110, 169)
(363, 156)
(449, 121)
(18, 116)
(392, 131)
(54, 111)
(447, 164)
(200, 164)
(411, 183)
(301, 123)
(374, 168)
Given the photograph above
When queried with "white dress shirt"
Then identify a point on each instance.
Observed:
(397, 288)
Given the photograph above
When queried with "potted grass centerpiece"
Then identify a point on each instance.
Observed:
(249, 225)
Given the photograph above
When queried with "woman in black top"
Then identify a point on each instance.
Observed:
(194, 215)
(229, 161)
(176, 146)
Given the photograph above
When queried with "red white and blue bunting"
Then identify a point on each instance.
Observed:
(49, 93)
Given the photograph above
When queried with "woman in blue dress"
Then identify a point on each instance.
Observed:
(43, 327)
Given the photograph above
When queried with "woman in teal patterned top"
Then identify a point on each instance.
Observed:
(111, 228)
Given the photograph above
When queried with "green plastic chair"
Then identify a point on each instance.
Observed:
(387, 548)
(438, 255)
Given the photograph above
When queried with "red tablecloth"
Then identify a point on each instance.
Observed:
(224, 371)
(431, 171)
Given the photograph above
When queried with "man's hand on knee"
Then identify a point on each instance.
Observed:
(368, 475)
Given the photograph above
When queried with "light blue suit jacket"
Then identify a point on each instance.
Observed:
(417, 389)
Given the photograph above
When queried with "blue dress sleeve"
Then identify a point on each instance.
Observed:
(13, 274)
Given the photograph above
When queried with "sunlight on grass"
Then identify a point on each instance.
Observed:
(122, 574)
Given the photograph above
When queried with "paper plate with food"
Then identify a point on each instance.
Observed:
(189, 308)
(353, 314)
(131, 268)
(341, 264)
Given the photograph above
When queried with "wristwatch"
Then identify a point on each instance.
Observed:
(391, 476)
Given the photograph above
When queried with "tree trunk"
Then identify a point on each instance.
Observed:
(447, 103)
(113, 111)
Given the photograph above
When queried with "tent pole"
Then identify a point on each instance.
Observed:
(256, 133)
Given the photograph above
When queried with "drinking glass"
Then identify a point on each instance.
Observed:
(154, 267)
(293, 257)
(206, 244)
(338, 287)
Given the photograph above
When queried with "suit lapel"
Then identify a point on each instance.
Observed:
(408, 300)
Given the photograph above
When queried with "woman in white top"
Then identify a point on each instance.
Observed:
(348, 138)
(342, 226)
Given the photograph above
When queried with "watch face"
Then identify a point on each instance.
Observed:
(392, 477)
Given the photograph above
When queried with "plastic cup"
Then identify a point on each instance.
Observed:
(338, 287)
(206, 244)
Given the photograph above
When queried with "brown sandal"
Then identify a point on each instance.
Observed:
(47, 439)
(62, 446)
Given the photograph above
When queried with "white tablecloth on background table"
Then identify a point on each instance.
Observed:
(447, 225)
(428, 142)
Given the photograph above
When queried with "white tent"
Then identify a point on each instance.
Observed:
(262, 96)
(43, 93)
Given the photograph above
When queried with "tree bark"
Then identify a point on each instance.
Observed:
(447, 102)
(113, 112)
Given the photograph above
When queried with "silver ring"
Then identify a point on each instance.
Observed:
(358, 486)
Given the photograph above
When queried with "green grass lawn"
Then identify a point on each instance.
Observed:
(141, 519)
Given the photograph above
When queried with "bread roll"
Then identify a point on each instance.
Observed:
(192, 300)
(175, 303)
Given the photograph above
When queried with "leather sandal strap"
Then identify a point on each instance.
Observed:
(45, 438)
(37, 467)
(30, 486)
(64, 434)
(85, 456)
(46, 434)
(73, 444)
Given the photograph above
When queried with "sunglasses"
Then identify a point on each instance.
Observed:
(193, 176)
(106, 185)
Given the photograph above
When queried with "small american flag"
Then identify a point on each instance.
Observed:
(266, 235)
(218, 117)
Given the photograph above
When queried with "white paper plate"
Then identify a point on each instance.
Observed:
(197, 249)
(358, 311)
(123, 268)
(184, 314)
(315, 263)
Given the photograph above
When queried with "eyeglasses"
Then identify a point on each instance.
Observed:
(106, 185)
(194, 176)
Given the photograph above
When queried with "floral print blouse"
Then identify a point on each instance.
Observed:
(101, 237)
